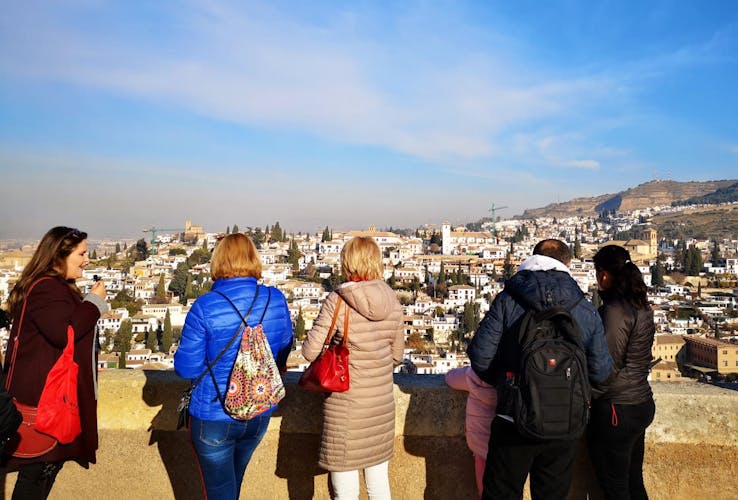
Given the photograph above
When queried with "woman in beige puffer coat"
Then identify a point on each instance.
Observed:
(359, 424)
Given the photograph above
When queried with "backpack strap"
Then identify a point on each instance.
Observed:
(230, 343)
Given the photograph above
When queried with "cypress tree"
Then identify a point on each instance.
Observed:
(167, 336)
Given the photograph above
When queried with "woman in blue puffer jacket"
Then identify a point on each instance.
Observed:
(223, 444)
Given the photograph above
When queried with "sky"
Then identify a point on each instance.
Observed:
(120, 116)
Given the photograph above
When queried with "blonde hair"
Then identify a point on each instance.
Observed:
(361, 259)
(235, 256)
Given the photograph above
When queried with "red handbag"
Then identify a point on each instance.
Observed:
(58, 411)
(27, 441)
(329, 372)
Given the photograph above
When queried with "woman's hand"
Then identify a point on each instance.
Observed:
(99, 289)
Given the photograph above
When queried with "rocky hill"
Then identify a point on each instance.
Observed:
(649, 194)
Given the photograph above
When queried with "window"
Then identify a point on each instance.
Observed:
(725, 363)
(725, 351)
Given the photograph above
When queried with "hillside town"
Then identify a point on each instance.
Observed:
(445, 278)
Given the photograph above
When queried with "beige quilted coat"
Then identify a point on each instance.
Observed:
(359, 425)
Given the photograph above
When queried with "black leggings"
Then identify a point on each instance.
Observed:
(35, 480)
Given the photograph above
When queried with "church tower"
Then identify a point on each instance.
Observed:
(446, 236)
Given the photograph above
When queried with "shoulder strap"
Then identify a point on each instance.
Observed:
(16, 339)
(333, 321)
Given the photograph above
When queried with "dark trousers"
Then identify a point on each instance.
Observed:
(511, 457)
(35, 480)
(616, 445)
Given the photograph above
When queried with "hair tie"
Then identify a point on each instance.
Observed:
(628, 261)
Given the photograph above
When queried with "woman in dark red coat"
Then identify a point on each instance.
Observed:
(52, 302)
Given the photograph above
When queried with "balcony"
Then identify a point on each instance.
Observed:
(692, 446)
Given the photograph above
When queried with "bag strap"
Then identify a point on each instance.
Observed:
(332, 330)
(16, 339)
(269, 299)
(230, 342)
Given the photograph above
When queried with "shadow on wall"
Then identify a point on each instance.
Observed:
(175, 447)
(429, 429)
(299, 440)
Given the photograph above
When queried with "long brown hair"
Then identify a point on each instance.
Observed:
(49, 259)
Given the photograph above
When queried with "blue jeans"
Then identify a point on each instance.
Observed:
(224, 450)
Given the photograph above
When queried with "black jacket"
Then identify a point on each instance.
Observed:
(494, 348)
(629, 333)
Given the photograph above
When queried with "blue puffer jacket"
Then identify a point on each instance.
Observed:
(209, 326)
(494, 348)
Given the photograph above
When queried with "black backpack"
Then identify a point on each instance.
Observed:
(549, 395)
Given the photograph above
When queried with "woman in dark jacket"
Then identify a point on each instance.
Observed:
(223, 444)
(621, 415)
(52, 302)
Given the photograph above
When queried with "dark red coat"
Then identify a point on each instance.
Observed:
(51, 306)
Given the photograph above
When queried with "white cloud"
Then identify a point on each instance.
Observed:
(263, 68)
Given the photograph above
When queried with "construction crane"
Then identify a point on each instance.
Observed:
(493, 210)
(154, 230)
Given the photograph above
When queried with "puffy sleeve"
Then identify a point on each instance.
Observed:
(189, 360)
(483, 346)
(313, 344)
(398, 344)
(285, 339)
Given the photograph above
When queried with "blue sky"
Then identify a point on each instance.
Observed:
(117, 116)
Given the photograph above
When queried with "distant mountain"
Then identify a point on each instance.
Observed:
(722, 195)
(648, 194)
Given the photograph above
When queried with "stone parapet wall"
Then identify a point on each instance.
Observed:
(692, 446)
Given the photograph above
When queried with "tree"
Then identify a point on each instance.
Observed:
(235, 229)
(392, 281)
(177, 251)
(93, 255)
(122, 341)
(693, 261)
(140, 251)
(415, 342)
(277, 234)
(189, 292)
(300, 326)
(228, 229)
(293, 255)
(151, 341)
(508, 269)
(161, 291)
(326, 235)
(125, 299)
(181, 277)
(199, 256)
(167, 335)
(657, 273)
(177, 333)
(577, 248)
(470, 318)
(715, 253)
(117, 248)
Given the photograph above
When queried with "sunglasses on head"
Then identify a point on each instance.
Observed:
(74, 232)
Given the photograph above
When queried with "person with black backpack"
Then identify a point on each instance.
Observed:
(541, 344)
